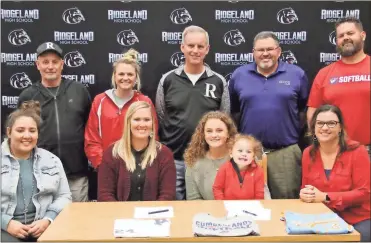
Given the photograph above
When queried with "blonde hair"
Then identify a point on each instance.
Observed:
(130, 57)
(194, 29)
(198, 147)
(256, 144)
(122, 148)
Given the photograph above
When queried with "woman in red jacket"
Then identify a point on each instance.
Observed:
(109, 108)
(241, 178)
(336, 171)
(137, 167)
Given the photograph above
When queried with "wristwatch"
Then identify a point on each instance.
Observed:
(327, 198)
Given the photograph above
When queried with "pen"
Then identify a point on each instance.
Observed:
(249, 212)
(159, 211)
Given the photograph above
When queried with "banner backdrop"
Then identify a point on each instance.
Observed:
(94, 34)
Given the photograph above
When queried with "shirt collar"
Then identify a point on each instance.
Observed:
(180, 70)
(6, 150)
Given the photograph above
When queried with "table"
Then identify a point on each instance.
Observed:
(93, 221)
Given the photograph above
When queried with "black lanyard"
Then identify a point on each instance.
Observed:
(235, 167)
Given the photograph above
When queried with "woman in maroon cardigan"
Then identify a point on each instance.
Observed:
(137, 167)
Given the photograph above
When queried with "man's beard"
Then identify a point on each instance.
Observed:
(266, 66)
(349, 51)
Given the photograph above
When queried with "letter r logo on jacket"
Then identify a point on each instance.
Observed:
(210, 89)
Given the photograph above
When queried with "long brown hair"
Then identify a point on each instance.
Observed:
(198, 147)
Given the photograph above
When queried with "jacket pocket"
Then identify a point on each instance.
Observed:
(52, 171)
(343, 179)
(313, 178)
(7, 184)
(5, 169)
(50, 179)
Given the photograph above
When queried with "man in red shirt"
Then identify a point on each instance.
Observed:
(346, 83)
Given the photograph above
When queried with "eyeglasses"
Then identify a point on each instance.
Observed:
(262, 50)
(330, 124)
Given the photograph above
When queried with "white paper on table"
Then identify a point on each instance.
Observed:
(261, 214)
(243, 205)
(237, 208)
(141, 228)
(143, 212)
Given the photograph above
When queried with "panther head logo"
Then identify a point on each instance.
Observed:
(18, 37)
(332, 38)
(127, 38)
(228, 77)
(180, 16)
(72, 16)
(74, 59)
(233, 38)
(177, 59)
(287, 16)
(20, 80)
(289, 57)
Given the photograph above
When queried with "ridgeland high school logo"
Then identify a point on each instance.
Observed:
(20, 80)
(180, 16)
(177, 59)
(289, 57)
(18, 37)
(73, 16)
(233, 38)
(127, 38)
(74, 59)
(287, 16)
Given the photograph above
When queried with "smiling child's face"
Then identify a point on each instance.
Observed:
(243, 152)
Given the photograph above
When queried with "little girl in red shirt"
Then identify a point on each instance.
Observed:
(241, 178)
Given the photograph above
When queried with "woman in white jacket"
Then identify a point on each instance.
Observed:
(34, 187)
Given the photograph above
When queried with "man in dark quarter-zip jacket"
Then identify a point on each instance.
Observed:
(65, 106)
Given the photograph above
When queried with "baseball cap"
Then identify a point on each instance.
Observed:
(47, 47)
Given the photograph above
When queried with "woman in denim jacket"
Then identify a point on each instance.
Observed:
(34, 186)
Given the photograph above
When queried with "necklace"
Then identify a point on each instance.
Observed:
(215, 161)
(56, 93)
(25, 210)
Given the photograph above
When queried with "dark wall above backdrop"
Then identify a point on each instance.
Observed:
(94, 34)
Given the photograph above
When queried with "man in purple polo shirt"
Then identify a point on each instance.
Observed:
(268, 100)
